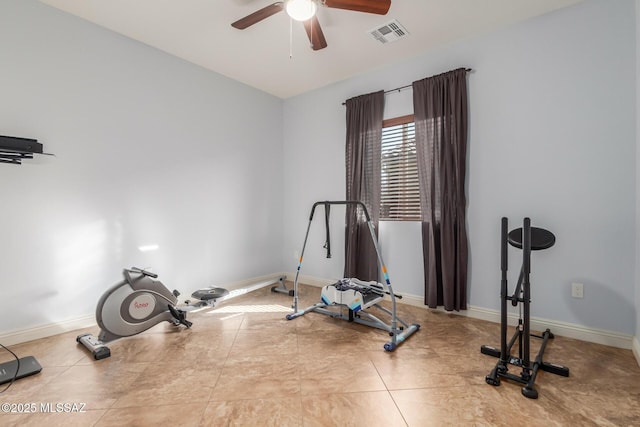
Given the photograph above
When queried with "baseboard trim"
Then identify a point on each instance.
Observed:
(583, 333)
(245, 286)
(48, 330)
(310, 280)
(636, 349)
(569, 330)
(564, 329)
(87, 321)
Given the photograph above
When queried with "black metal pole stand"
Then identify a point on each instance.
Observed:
(520, 238)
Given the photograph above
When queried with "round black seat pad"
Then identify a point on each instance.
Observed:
(209, 293)
(540, 238)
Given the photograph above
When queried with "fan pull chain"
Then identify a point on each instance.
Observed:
(290, 38)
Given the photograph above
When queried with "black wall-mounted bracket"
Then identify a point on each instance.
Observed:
(13, 149)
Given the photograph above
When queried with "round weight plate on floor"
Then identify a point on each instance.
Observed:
(210, 293)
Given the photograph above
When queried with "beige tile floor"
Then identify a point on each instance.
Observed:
(243, 364)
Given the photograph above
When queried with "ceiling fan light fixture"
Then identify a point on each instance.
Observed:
(301, 10)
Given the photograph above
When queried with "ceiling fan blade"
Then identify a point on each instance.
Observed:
(316, 36)
(258, 16)
(379, 7)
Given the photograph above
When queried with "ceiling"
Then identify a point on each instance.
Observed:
(200, 32)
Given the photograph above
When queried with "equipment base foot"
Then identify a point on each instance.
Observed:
(531, 393)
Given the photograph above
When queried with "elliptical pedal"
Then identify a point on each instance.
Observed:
(179, 315)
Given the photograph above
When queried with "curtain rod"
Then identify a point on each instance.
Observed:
(398, 89)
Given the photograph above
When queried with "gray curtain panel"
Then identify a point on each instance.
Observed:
(364, 136)
(440, 109)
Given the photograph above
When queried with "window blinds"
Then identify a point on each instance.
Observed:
(400, 191)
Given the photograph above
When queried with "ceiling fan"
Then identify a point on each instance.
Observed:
(305, 11)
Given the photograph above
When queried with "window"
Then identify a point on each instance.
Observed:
(400, 190)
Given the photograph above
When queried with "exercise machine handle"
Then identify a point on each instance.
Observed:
(144, 272)
(341, 202)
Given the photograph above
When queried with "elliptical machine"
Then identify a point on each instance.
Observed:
(526, 238)
(131, 306)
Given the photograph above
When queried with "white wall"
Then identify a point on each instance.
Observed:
(552, 137)
(149, 150)
(637, 235)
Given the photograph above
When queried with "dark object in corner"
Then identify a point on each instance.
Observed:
(14, 149)
(14, 369)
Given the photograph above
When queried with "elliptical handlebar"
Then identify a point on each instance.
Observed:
(142, 271)
(341, 202)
